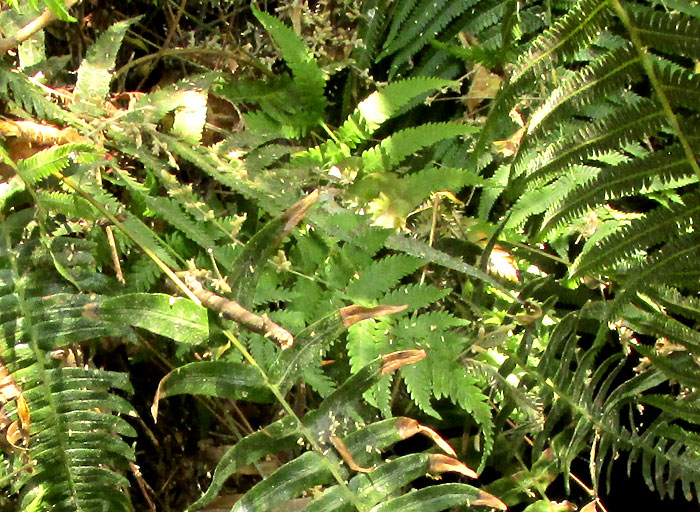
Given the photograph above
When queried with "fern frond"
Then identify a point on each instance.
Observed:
(541, 199)
(16, 88)
(376, 279)
(392, 150)
(169, 211)
(70, 205)
(679, 84)
(416, 296)
(308, 77)
(672, 299)
(367, 117)
(415, 25)
(94, 73)
(71, 417)
(625, 125)
(671, 33)
(48, 161)
(658, 170)
(597, 80)
(582, 23)
(659, 225)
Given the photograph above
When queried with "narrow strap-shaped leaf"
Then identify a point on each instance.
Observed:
(441, 497)
(222, 379)
(245, 271)
(281, 435)
(379, 484)
(173, 317)
(291, 480)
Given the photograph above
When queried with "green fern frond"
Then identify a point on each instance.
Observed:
(658, 226)
(70, 205)
(49, 161)
(94, 73)
(679, 84)
(416, 296)
(308, 77)
(625, 125)
(677, 367)
(600, 78)
(541, 199)
(16, 88)
(380, 276)
(367, 117)
(71, 419)
(658, 170)
(672, 299)
(582, 23)
(415, 25)
(671, 33)
(168, 210)
(392, 150)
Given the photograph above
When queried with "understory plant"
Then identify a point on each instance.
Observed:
(473, 221)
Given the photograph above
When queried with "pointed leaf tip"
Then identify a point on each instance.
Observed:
(296, 212)
(156, 399)
(352, 314)
(489, 500)
(409, 427)
(440, 463)
(396, 360)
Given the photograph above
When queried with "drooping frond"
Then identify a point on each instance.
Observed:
(567, 35)
(415, 24)
(656, 171)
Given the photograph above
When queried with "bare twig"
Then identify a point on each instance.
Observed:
(31, 28)
(232, 310)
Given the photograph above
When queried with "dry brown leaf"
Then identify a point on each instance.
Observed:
(440, 463)
(409, 427)
(396, 360)
(484, 86)
(352, 314)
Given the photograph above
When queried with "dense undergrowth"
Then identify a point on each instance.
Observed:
(249, 251)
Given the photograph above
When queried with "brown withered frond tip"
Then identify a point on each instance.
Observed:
(409, 427)
(294, 214)
(396, 360)
(440, 463)
(352, 314)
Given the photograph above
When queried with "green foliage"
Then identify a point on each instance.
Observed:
(348, 253)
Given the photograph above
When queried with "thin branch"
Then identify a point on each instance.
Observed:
(31, 28)
(232, 310)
